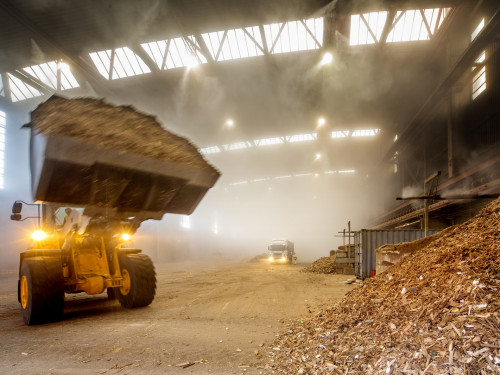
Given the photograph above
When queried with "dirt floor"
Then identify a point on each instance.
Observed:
(218, 318)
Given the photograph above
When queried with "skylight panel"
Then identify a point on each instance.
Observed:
(408, 25)
(477, 30)
(347, 171)
(67, 79)
(294, 36)
(269, 141)
(20, 90)
(48, 73)
(131, 63)
(157, 51)
(118, 63)
(213, 42)
(340, 134)
(365, 133)
(301, 137)
(234, 43)
(367, 28)
(315, 26)
(102, 61)
(419, 24)
(182, 54)
(236, 146)
(2, 91)
(210, 150)
(253, 39)
(479, 79)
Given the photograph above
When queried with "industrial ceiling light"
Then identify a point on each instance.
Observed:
(229, 123)
(321, 121)
(327, 59)
(317, 157)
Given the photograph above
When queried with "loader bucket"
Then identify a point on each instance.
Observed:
(69, 167)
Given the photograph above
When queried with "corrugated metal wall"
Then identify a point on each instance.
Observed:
(366, 241)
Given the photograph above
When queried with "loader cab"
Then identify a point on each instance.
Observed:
(57, 216)
(50, 217)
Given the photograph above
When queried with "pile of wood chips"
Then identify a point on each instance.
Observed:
(435, 312)
(322, 265)
(121, 128)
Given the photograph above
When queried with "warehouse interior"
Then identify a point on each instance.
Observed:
(365, 133)
(316, 111)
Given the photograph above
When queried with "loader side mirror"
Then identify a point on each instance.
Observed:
(17, 208)
(15, 217)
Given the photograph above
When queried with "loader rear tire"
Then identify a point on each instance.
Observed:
(139, 281)
(41, 291)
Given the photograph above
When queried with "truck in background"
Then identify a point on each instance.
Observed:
(281, 251)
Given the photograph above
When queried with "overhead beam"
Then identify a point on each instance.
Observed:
(139, 51)
(86, 70)
(32, 81)
(202, 48)
(389, 24)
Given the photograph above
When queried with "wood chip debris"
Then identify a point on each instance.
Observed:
(122, 128)
(322, 265)
(437, 311)
(189, 364)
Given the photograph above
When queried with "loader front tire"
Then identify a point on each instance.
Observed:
(41, 290)
(139, 281)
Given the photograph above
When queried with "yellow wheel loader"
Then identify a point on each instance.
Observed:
(95, 179)
(82, 255)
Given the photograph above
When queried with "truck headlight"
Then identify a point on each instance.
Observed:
(38, 235)
(283, 259)
(271, 259)
(125, 237)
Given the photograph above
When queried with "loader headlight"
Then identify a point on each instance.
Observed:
(283, 259)
(125, 237)
(38, 235)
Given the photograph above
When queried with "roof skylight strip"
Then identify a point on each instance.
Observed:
(234, 43)
(294, 36)
(47, 77)
(70, 80)
(477, 30)
(365, 132)
(20, 90)
(301, 137)
(182, 54)
(130, 62)
(340, 134)
(408, 25)
(414, 25)
(210, 150)
(2, 91)
(119, 63)
(102, 62)
(56, 75)
(157, 51)
(269, 141)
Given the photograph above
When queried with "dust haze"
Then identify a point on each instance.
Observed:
(277, 191)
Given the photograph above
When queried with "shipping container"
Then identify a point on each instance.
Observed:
(366, 241)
